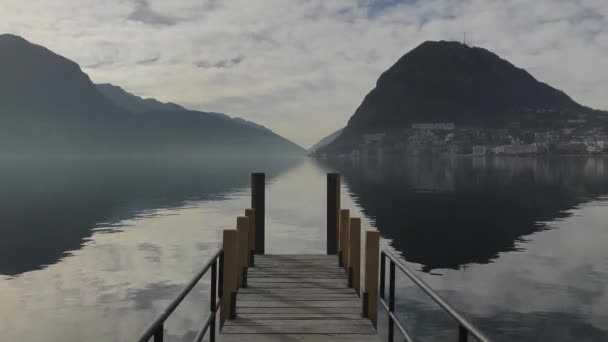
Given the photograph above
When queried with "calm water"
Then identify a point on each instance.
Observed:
(92, 251)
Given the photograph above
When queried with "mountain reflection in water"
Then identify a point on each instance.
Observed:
(446, 213)
(515, 244)
(51, 207)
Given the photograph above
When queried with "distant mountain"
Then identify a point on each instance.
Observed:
(453, 82)
(325, 141)
(136, 104)
(132, 102)
(48, 105)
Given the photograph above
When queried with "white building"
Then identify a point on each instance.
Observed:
(479, 150)
(373, 138)
(439, 126)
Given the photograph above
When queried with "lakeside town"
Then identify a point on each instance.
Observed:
(576, 138)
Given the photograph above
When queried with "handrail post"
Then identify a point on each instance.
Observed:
(231, 262)
(333, 211)
(372, 250)
(220, 276)
(391, 301)
(343, 240)
(354, 254)
(242, 226)
(382, 273)
(212, 300)
(158, 334)
(463, 334)
(258, 203)
(250, 213)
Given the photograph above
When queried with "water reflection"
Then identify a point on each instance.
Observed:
(48, 208)
(525, 254)
(446, 213)
(516, 244)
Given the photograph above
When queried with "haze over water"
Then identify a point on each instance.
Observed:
(92, 251)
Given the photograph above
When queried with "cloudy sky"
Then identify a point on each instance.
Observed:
(301, 67)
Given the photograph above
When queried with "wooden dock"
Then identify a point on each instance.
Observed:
(302, 298)
(298, 298)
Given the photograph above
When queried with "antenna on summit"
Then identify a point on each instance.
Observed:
(464, 41)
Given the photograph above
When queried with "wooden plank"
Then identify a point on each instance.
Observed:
(296, 290)
(297, 280)
(299, 338)
(296, 276)
(317, 311)
(290, 265)
(298, 295)
(270, 285)
(302, 270)
(349, 303)
(296, 328)
(292, 296)
(296, 256)
(301, 316)
(280, 321)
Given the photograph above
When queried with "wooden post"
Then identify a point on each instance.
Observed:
(344, 230)
(242, 226)
(372, 255)
(229, 273)
(250, 213)
(354, 254)
(258, 199)
(333, 210)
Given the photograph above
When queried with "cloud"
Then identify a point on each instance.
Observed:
(301, 67)
(143, 13)
(223, 63)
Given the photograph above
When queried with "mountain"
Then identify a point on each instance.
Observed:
(48, 105)
(136, 104)
(325, 141)
(453, 82)
(132, 102)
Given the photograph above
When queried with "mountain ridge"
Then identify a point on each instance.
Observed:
(444, 81)
(49, 105)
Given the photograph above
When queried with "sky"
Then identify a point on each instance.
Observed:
(302, 67)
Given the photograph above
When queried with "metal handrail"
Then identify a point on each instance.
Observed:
(156, 328)
(465, 327)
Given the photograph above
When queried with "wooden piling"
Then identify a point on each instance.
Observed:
(258, 202)
(372, 256)
(250, 213)
(343, 240)
(229, 273)
(242, 226)
(354, 254)
(333, 212)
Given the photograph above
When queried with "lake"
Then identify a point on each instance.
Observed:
(93, 250)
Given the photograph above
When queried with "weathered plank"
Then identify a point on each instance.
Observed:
(269, 285)
(298, 298)
(296, 280)
(349, 303)
(299, 328)
(299, 338)
(296, 290)
(281, 321)
(300, 316)
(291, 296)
(299, 310)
